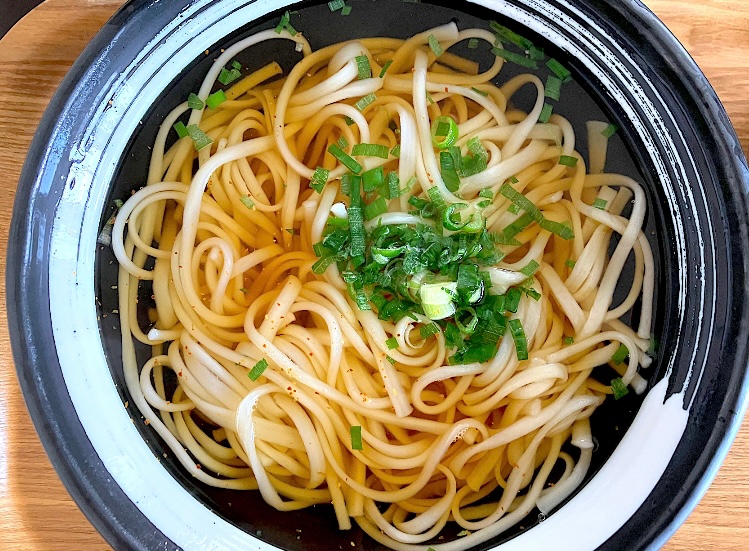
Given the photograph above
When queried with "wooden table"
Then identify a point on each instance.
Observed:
(36, 512)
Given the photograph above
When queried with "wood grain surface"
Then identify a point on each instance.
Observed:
(36, 512)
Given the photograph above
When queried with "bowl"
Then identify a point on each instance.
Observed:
(660, 452)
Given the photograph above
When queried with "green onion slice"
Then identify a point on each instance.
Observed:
(620, 354)
(545, 113)
(567, 160)
(258, 369)
(194, 102)
(247, 202)
(445, 132)
(319, 179)
(362, 64)
(199, 138)
(518, 335)
(345, 159)
(530, 268)
(553, 87)
(435, 45)
(392, 343)
(610, 130)
(215, 99)
(385, 67)
(181, 129)
(558, 69)
(356, 440)
(370, 150)
(375, 208)
(619, 388)
(600, 204)
(517, 59)
(364, 102)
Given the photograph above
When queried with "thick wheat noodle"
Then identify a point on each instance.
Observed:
(233, 287)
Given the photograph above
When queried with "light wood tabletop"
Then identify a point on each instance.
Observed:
(36, 512)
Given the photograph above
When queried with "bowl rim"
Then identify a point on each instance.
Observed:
(65, 440)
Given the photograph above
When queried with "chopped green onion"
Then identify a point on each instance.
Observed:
(518, 335)
(391, 360)
(437, 299)
(258, 369)
(291, 231)
(449, 174)
(567, 160)
(198, 137)
(284, 24)
(346, 10)
(349, 120)
(372, 179)
(610, 130)
(342, 142)
(512, 300)
(428, 330)
(446, 128)
(435, 45)
(568, 340)
(319, 179)
(334, 5)
(385, 67)
(362, 64)
(473, 43)
(513, 209)
(194, 102)
(486, 193)
(375, 208)
(479, 91)
(530, 268)
(600, 204)
(517, 59)
(536, 53)
(620, 354)
(215, 99)
(504, 33)
(553, 87)
(396, 151)
(345, 159)
(227, 77)
(236, 65)
(393, 186)
(321, 265)
(347, 180)
(618, 388)
(247, 202)
(569, 263)
(429, 98)
(545, 113)
(558, 69)
(391, 343)
(364, 102)
(370, 150)
(181, 129)
(356, 441)
(356, 221)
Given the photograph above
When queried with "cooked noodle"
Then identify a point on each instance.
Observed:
(233, 284)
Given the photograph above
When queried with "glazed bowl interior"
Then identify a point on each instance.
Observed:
(649, 475)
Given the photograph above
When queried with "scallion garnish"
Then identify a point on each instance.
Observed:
(365, 102)
(342, 142)
(517, 59)
(194, 102)
(536, 53)
(506, 34)
(570, 263)
(600, 204)
(485, 94)
(385, 67)
(391, 343)
(610, 130)
(334, 5)
(284, 24)
(319, 179)
(372, 179)
(473, 43)
(435, 45)
(375, 208)
(568, 340)
(618, 388)
(215, 99)
(512, 300)
(349, 120)
(518, 335)
(620, 354)
(486, 193)
(530, 268)
(558, 69)
(557, 228)
(393, 186)
(429, 329)
(356, 440)
(345, 159)
(444, 132)
(181, 129)
(346, 10)
(370, 150)
(227, 77)
(199, 138)
(567, 160)
(545, 113)
(246, 201)
(553, 87)
(363, 66)
(396, 151)
(258, 369)
(236, 65)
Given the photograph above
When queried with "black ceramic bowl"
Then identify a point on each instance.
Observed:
(91, 148)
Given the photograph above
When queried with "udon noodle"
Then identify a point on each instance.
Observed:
(410, 336)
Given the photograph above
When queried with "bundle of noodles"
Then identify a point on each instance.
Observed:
(382, 288)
